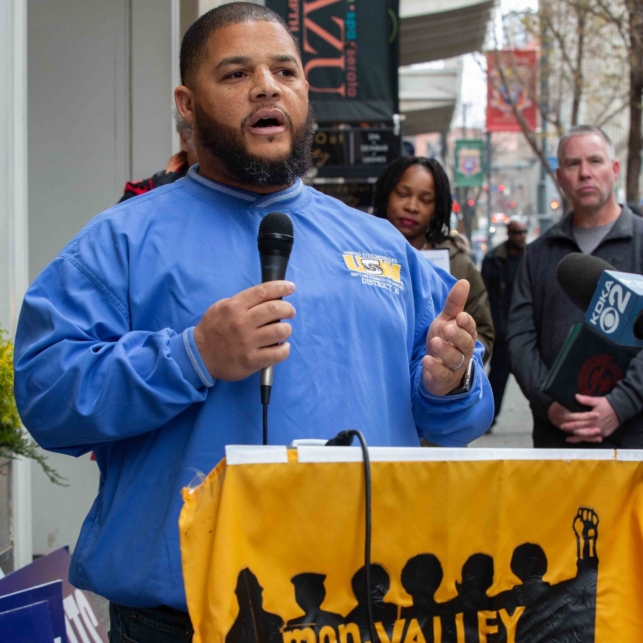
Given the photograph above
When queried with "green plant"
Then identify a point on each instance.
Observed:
(14, 441)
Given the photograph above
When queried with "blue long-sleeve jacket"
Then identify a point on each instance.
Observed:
(106, 360)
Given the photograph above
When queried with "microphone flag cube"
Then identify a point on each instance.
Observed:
(615, 309)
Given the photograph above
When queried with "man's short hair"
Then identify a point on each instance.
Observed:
(195, 41)
(583, 130)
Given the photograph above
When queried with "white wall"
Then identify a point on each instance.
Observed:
(13, 226)
(152, 88)
(79, 157)
(99, 108)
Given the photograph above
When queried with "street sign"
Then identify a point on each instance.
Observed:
(469, 167)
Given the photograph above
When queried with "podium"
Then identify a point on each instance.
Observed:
(468, 545)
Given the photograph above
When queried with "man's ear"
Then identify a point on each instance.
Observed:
(184, 98)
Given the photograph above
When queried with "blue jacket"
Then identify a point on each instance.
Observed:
(106, 360)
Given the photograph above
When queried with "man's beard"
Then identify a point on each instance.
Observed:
(228, 145)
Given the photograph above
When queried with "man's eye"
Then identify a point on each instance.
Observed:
(236, 74)
(287, 72)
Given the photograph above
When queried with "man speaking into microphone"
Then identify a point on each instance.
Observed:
(542, 314)
(144, 339)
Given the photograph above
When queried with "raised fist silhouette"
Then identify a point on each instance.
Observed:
(585, 527)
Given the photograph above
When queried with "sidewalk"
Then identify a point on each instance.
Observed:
(514, 425)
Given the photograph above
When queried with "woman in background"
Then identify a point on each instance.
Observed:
(415, 196)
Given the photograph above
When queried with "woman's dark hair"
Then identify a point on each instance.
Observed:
(439, 226)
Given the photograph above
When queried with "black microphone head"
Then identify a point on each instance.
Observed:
(276, 233)
(578, 276)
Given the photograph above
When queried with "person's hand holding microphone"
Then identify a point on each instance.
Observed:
(239, 336)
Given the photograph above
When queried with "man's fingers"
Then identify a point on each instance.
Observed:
(458, 337)
(268, 312)
(587, 400)
(456, 299)
(451, 356)
(268, 356)
(272, 334)
(573, 425)
(437, 377)
(468, 324)
(582, 416)
(264, 292)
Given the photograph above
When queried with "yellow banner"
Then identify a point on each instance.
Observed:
(464, 549)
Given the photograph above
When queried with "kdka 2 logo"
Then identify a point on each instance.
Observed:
(610, 306)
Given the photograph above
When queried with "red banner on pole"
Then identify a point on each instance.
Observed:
(511, 81)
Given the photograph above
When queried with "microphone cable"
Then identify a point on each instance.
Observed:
(345, 439)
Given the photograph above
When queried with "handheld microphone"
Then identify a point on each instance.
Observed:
(597, 352)
(613, 300)
(275, 242)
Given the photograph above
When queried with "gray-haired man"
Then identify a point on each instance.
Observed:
(541, 314)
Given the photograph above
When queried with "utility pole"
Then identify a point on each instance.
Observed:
(543, 208)
(488, 189)
(465, 106)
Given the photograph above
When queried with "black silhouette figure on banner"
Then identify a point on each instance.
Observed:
(253, 624)
(384, 613)
(566, 612)
(309, 594)
(461, 612)
(529, 564)
(421, 577)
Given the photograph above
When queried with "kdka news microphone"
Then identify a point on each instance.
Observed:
(598, 351)
(613, 300)
(275, 242)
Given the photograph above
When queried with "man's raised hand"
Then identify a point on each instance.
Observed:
(449, 343)
(239, 336)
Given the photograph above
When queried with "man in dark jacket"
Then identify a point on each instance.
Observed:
(499, 270)
(541, 314)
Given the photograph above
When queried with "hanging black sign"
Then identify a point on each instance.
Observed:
(355, 151)
(350, 55)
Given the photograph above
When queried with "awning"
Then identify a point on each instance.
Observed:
(428, 97)
(438, 29)
(435, 30)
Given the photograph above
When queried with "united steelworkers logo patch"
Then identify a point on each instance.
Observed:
(375, 270)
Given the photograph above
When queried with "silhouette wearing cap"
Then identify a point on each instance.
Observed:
(310, 594)
(253, 624)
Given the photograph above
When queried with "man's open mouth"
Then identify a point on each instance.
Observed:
(268, 122)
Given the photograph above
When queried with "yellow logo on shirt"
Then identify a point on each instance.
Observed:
(375, 270)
